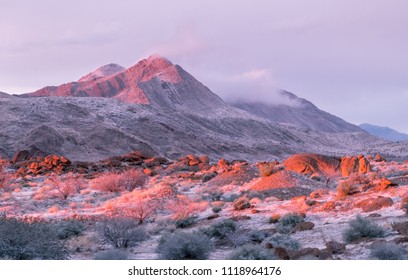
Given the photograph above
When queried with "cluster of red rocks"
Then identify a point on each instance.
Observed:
(37, 165)
(316, 165)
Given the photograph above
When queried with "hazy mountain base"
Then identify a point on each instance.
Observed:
(90, 129)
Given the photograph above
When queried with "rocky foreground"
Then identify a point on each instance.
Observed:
(300, 208)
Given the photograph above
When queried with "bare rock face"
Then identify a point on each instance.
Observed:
(153, 81)
(313, 164)
(21, 156)
(354, 164)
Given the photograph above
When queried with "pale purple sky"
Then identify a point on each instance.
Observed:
(349, 58)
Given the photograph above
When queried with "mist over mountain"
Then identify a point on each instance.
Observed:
(384, 132)
(160, 109)
(299, 111)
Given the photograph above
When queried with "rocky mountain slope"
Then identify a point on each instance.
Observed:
(153, 81)
(4, 95)
(302, 113)
(160, 109)
(384, 132)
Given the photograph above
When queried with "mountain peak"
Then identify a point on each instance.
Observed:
(104, 71)
(156, 66)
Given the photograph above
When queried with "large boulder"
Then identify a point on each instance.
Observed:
(313, 165)
(374, 204)
(353, 164)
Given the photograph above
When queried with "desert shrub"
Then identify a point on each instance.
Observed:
(113, 254)
(241, 203)
(346, 188)
(74, 181)
(108, 182)
(388, 251)
(266, 168)
(284, 241)
(273, 219)
(183, 207)
(252, 252)
(121, 232)
(132, 179)
(186, 222)
(361, 227)
(288, 222)
(21, 240)
(231, 198)
(221, 229)
(217, 209)
(118, 182)
(257, 236)
(184, 246)
(66, 229)
(5, 177)
(207, 177)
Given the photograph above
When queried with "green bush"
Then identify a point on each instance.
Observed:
(284, 241)
(217, 209)
(66, 229)
(361, 227)
(388, 251)
(251, 252)
(288, 222)
(221, 229)
(184, 246)
(113, 254)
(186, 222)
(21, 240)
(257, 236)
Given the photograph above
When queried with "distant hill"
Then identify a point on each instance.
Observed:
(4, 95)
(303, 114)
(384, 132)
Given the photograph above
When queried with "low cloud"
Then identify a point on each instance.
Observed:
(256, 85)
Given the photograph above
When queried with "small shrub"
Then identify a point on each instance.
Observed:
(221, 229)
(184, 246)
(362, 227)
(284, 241)
(388, 251)
(288, 222)
(274, 219)
(252, 252)
(207, 177)
(183, 207)
(67, 229)
(266, 168)
(346, 188)
(186, 222)
(132, 179)
(20, 240)
(217, 209)
(231, 198)
(241, 203)
(121, 232)
(257, 236)
(5, 177)
(108, 182)
(114, 254)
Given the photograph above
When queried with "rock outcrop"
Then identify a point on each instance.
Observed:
(313, 165)
(354, 164)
